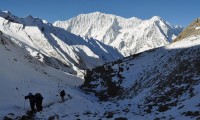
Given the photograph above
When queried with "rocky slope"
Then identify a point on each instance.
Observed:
(163, 83)
(129, 36)
(55, 46)
(192, 30)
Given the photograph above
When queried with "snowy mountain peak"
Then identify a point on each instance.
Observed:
(130, 36)
(100, 14)
(135, 18)
(29, 20)
(7, 14)
(94, 13)
(97, 14)
(156, 18)
(99, 18)
(30, 17)
(6, 11)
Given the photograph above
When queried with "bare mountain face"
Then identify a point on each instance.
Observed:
(55, 46)
(163, 83)
(192, 30)
(129, 36)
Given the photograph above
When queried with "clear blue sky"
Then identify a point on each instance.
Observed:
(176, 12)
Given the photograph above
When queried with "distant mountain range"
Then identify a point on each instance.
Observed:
(88, 40)
(129, 36)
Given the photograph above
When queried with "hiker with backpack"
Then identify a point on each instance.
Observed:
(38, 101)
(62, 95)
(31, 98)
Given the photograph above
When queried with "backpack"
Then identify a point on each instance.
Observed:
(62, 93)
(38, 96)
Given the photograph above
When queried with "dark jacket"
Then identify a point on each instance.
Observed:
(31, 98)
(38, 100)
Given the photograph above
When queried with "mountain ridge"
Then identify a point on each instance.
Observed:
(130, 36)
(191, 30)
(55, 46)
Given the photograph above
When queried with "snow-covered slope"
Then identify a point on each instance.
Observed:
(163, 83)
(21, 73)
(55, 46)
(130, 36)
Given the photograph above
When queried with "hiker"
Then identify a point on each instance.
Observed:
(38, 101)
(62, 95)
(31, 98)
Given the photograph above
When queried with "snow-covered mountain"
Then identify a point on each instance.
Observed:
(129, 36)
(55, 46)
(163, 83)
(164, 87)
